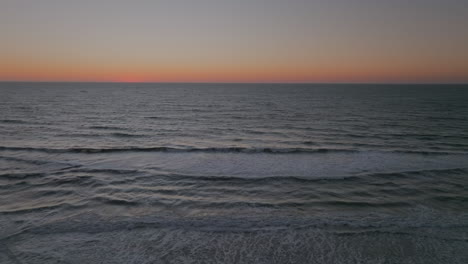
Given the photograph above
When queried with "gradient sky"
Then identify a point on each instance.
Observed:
(234, 40)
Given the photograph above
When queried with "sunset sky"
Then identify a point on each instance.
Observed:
(234, 40)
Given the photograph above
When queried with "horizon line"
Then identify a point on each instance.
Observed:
(208, 82)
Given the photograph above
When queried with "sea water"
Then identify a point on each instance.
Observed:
(233, 173)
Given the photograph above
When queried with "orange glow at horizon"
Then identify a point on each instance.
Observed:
(379, 69)
(245, 73)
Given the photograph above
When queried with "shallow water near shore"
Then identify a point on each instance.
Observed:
(233, 173)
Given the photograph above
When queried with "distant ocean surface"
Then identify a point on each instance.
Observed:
(233, 173)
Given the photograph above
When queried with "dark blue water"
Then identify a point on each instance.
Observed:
(233, 173)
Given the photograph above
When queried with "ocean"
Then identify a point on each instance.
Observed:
(233, 173)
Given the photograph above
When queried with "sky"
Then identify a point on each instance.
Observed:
(234, 40)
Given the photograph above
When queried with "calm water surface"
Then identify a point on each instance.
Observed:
(233, 173)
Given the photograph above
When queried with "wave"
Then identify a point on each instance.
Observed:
(246, 150)
(158, 117)
(126, 135)
(107, 128)
(115, 201)
(104, 170)
(429, 152)
(90, 135)
(331, 203)
(16, 176)
(35, 162)
(61, 205)
(12, 121)
(351, 177)
(190, 178)
(342, 224)
(170, 149)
